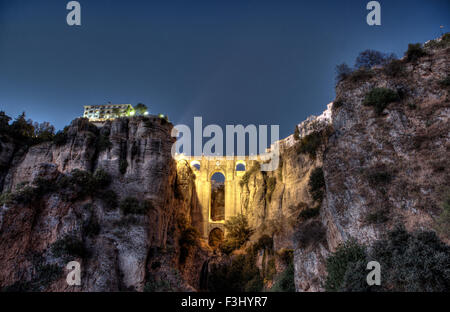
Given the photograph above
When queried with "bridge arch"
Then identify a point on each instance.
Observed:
(217, 197)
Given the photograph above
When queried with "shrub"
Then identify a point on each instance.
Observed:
(264, 242)
(369, 58)
(445, 82)
(189, 238)
(286, 255)
(271, 183)
(69, 246)
(346, 256)
(316, 184)
(6, 198)
(443, 221)
(238, 233)
(394, 68)
(379, 176)
(131, 205)
(412, 262)
(310, 233)
(414, 52)
(245, 178)
(110, 198)
(309, 213)
(310, 143)
(103, 143)
(337, 103)
(91, 228)
(102, 178)
(60, 138)
(285, 281)
(379, 216)
(123, 165)
(361, 75)
(343, 71)
(241, 275)
(296, 133)
(379, 99)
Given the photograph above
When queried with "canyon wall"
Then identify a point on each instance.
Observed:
(135, 153)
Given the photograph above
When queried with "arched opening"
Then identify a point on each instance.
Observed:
(195, 164)
(217, 211)
(240, 166)
(215, 237)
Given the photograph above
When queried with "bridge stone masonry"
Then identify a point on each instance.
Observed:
(232, 168)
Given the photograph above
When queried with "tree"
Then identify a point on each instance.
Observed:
(342, 71)
(44, 131)
(4, 121)
(369, 58)
(23, 127)
(140, 109)
(238, 233)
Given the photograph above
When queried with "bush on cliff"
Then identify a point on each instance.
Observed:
(69, 246)
(414, 52)
(412, 262)
(316, 184)
(379, 99)
(238, 233)
(189, 238)
(131, 205)
(242, 275)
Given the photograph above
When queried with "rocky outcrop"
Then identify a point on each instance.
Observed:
(135, 153)
(383, 170)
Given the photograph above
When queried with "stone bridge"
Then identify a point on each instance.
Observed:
(232, 168)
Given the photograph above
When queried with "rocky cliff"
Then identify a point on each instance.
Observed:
(52, 212)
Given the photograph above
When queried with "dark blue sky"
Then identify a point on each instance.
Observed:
(248, 62)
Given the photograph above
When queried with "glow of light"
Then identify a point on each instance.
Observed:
(146, 113)
(161, 116)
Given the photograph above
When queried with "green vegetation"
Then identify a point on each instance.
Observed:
(395, 68)
(379, 99)
(310, 233)
(189, 238)
(110, 198)
(242, 275)
(346, 256)
(24, 131)
(379, 216)
(103, 143)
(245, 178)
(60, 137)
(439, 44)
(271, 182)
(445, 82)
(285, 281)
(131, 205)
(238, 233)
(443, 221)
(370, 58)
(102, 178)
(69, 246)
(414, 52)
(140, 109)
(123, 165)
(412, 262)
(316, 184)
(309, 213)
(337, 103)
(296, 133)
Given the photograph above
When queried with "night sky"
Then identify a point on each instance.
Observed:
(231, 62)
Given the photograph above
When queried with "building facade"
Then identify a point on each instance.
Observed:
(106, 112)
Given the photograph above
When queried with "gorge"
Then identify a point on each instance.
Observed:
(114, 199)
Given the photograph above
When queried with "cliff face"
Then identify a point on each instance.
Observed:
(383, 170)
(135, 153)
(379, 169)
